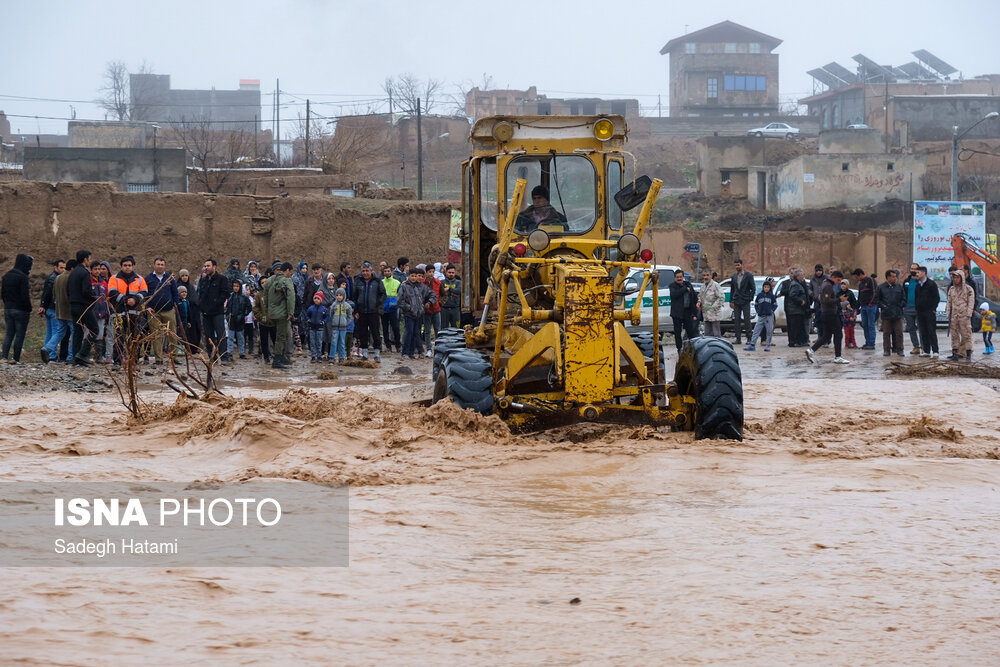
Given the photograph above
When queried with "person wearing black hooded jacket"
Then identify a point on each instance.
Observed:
(16, 305)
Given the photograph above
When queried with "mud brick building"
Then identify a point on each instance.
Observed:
(723, 70)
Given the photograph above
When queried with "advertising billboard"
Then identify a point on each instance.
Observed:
(934, 223)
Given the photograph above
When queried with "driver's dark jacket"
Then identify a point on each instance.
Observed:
(526, 219)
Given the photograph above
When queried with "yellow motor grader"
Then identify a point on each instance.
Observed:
(546, 283)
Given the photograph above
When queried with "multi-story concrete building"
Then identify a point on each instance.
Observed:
(480, 103)
(723, 70)
(152, 99)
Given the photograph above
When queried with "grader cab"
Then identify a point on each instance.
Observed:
(546, 281)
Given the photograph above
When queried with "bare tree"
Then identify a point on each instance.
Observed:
(120, 97)
(356, 140)
(114, 92)
(215, 153)
(319, 134)
(458, 100)
(406, 89)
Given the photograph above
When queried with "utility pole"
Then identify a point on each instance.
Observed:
(420, 157)
(156, 167)
(392, 137)
(307, 133)
(659, 107)
(885, 112)
(277, 122)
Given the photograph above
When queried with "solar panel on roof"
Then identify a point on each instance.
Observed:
(873, 69)
(841, 72)
(914, 70)
(935, 63)
(825, 77)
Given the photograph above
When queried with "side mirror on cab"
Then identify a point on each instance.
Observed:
(630, 286)
(633, 194)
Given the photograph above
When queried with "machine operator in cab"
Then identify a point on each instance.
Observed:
(539, 213)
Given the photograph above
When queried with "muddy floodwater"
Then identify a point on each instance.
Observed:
(858, 523)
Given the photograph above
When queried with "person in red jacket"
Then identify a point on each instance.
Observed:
(432, 314)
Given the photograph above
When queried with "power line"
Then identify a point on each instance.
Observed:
(194, 121)
(140, 104)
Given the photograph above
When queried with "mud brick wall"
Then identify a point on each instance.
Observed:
(772, 253)
(50, 221)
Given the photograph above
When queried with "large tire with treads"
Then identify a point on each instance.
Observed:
(708, 369)
(644, 341)
(465, 376)
(447, 339)
(450, 333)
(440, 350)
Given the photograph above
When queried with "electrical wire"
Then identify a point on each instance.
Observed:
(971, 152)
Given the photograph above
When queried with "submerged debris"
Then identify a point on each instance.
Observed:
(940, 367)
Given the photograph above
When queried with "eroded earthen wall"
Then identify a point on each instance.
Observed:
(49, 221)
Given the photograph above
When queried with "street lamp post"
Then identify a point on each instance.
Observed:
(156, 170)
(955, 137)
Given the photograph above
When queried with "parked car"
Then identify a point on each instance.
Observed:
(631, 289)
(858, 126)
(941, 314)
(775, 130)
(727, 308)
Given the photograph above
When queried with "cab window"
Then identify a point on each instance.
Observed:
(571, 182)
(614, 185)
(488, 193)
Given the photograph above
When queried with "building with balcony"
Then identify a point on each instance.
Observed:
(724, 70)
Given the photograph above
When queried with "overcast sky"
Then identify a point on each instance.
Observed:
(338, 53)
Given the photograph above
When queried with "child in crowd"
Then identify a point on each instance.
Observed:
(316, 316)
(765, 304)
(250, 321)
(848, 318)
(349, 341)
(237, 308)
(185, 321)
(989, 326)
(413, 298)
(341, 317)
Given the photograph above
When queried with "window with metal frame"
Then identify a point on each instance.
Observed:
(488, 192)
(745, 82)
(614, 179)
(571, 181)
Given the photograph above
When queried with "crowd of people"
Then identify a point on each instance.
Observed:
(93, 313)
(827, 304)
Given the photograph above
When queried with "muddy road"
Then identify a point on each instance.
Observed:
(857, 523)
